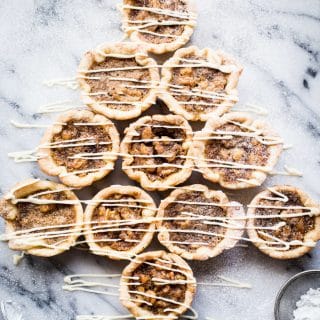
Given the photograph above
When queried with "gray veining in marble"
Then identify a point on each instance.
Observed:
(278, 42)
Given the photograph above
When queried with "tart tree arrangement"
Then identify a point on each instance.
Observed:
(120, 81)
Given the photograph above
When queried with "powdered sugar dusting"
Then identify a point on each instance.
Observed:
(308, 307)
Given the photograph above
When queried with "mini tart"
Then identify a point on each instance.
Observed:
(157, 151)
(304, 228)
(109, 210)
(151, 269)
(118, 80)
(156, 31)
(204, 85)
(236, 161)
(22, 211)
(185, 204)
(88, 145)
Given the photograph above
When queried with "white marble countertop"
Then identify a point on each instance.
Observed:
(278, 42)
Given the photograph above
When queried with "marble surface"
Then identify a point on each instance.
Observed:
(278, 42)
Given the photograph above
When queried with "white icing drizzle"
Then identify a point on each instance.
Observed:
(147, 295)
(99, 229)
(58, 107)
(17, 258)
(251, 182)
(287, 146)
(116, 55)
(33, 155)
(26, 156)
(310, 211)
(27, 125)
(289, 171)
(229, 283)
(280, 196)
(202, 94)
(130, 68)
(253, 108)
(70, 83)
(33, 126)
(108, 167)
(101, 317)
(165, 35)
(166, 12)
(81, 285)
(151, 23)
(132, 80)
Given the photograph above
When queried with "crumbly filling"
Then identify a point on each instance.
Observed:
(32, 215)
(199, 78)
(110, 217)
(64, 156)
(242, 150)
(115, 90)
(146, 273)
(172, 30)
(164, 152)
(295, 228)
(175, 210)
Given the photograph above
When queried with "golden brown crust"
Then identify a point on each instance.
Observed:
(138, 311)
(39, 247)
(310, 236)
(223, 63)
(163, 47)
(147, 213)
(48, 164)
(121, 50)
(230, 237)
(180, 175)
(257, 177)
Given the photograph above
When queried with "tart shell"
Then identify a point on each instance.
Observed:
(230, 238)
(312, 235)
(257, 176)
(97, 56)
(10, 212)
(50, 167)
(148, 212)
(135, 309)
(224, 63)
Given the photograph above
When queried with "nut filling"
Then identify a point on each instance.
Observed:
(91, 139)
(164, 152)
(115, 91)
(146, 275)
(242, 150)
(129, 238)
(30, 215)
(173, 31)
(294, 229)
(175, 210)
(202, 79)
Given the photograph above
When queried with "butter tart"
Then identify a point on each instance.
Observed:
(157, 151)
(236, 151)
(160, 26)
(284, 222)
(43, 218)
(80, 148)
(200, 83)
(197, 223)
(119, 221)
(118, 80)
(157, 285)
